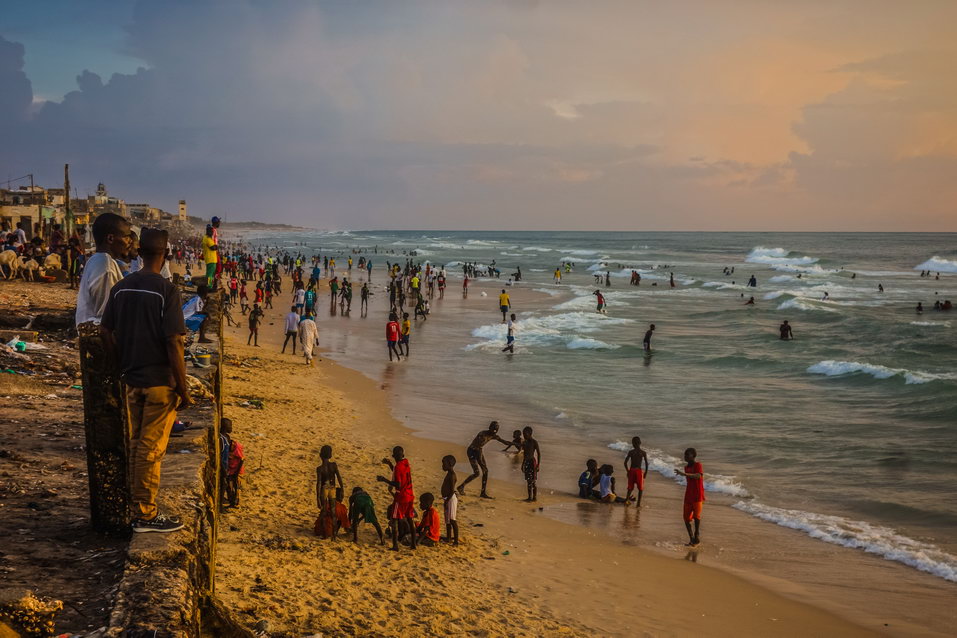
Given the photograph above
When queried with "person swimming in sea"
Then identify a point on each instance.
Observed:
(786, 333)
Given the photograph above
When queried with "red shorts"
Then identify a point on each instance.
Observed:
(402, 509)
(693, 511)
(636, 477)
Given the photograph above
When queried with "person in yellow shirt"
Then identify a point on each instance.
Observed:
(405, 331)
(504, 303)
(210, 256)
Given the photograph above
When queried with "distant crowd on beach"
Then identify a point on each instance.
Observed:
(126, 292)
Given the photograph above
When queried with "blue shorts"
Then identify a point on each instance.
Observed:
(404, 339)
(509, 340)
(503, 308)
(194, 322)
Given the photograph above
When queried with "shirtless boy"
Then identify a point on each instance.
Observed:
(633, 466)
(531, 461)
(327, 476)
(451, 500)
(476, 457)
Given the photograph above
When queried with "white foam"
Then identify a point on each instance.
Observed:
(777, 257)
(873, 539)
(549, 291)
(586, 343)
(938, 264)
(550, 330)
(665, 464)
(537, 249)
(833, 368)
(942, 324)
(799, 303)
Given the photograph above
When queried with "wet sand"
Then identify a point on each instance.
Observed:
(521, 573)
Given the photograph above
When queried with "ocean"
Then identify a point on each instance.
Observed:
(847, 433)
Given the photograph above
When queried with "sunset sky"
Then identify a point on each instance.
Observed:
(707, 115)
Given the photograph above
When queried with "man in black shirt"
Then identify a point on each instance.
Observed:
(143, 327)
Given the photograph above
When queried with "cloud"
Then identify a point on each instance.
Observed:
(502, 115)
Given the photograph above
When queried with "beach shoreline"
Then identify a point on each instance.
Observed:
(592, 556)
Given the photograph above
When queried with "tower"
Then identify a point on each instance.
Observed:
(182, 210)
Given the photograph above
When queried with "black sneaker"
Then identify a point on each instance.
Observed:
(159, 523)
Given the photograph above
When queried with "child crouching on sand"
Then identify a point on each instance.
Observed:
(428, 529)
(361, 508)
(606, 486)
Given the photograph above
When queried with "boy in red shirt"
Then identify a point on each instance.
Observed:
(392, 336)
(402, 510)
(428, 528)
(694, 495)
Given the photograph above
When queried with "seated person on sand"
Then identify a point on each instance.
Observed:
(588, 480)
(606, 486)
(428, 528)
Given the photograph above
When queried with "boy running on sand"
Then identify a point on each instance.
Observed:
(531, 461)
(361, 509)
(428, 528)
(694, 495)
(451, 500)
(402, 511)
(633, 467)
(392, 336)
(327, 475)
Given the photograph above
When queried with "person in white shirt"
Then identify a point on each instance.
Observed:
(511, 329)
(21, 236)
(292, 329)
(112, 235)
(308, 337)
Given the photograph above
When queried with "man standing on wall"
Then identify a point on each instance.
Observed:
(143, 327)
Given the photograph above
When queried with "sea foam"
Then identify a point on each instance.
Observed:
(837, 368)
(777, 257)
(874, 539)
(938, 264)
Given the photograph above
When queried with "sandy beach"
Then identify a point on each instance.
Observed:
(519, 573)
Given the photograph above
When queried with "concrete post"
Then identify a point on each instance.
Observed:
(106, 422)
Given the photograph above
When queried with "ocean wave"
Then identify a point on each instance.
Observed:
(665, 464)
(942, 324)
(873, 539)
(777, 257)
(568, 329)
(799, 303)
(838, 368)
(552, 292)
(586, 343)
(538, 249)
(938, 264)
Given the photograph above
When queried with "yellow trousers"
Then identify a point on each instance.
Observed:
(152, 413)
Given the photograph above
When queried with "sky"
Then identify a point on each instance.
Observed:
(524, 115)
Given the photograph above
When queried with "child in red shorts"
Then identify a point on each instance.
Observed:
(694, 495)
(633, 466)
(402, 511)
